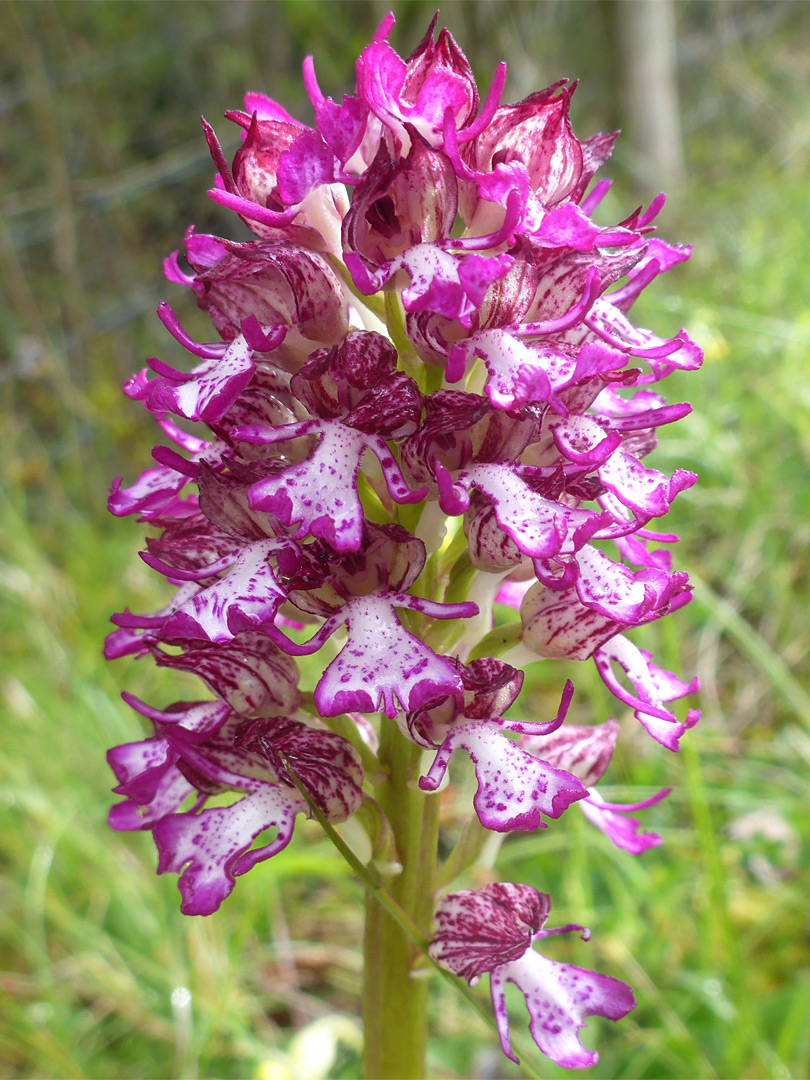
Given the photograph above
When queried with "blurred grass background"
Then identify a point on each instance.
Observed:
(103, 166)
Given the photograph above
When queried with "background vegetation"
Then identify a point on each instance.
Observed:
(103, 167)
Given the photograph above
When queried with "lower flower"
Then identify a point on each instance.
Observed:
(493, 930)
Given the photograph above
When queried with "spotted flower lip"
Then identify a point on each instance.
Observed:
(381, 663)
(493, 930)
(320, 494)
(245, 599)
(514, 787)
(539, 527)
(441, 282)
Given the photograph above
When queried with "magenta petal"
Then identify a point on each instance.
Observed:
(203, 249)
(152, 494)
(477, 272)
(620, 830)
(447, 284)
(646, 491)
(246, 208)
(343, 126)
(266, 109)
(667, 733)
(518, 372)
(634, 550)
(168, 795)
(213, 351)
(215, 384)
(540, 528)
(139, 631)
(616, 591)
(613, 327)
(205, 848)
(140, 767)
(434, 78)
(511, 593)
(380, 78)
(306, 165)
(652, 682)
(200, 719)
(654, 686)
(569, 226)
(582, 440)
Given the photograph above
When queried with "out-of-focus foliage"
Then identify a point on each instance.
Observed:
(103, 166)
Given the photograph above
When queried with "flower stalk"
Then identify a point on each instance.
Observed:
(424, 397)
(395, 1020)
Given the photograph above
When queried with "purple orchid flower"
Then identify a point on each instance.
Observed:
(493, 930)
(197, 750)
(424, 394)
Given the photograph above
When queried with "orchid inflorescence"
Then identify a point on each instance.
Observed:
(425, 396)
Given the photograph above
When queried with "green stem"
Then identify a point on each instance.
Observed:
(371, 879)
(394, 1002)
(497, 641)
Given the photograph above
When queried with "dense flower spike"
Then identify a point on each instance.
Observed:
(424, 394)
